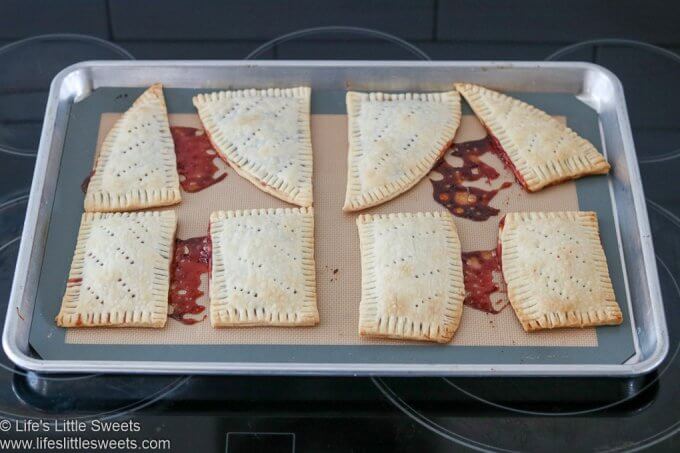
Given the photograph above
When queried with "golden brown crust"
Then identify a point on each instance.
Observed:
(137, 167)
(394, 140)
(541, 149)
(263, 270)
(120, 274)
(556, 271)
(412, 286)
(249, 127)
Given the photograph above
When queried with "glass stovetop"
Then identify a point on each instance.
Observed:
(302, 414)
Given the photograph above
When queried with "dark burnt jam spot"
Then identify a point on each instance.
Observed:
(190, 260)
(195, 159)
(483, 281)
(86, 182)
(460, 199)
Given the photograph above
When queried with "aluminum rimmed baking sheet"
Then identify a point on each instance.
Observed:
(588, 98)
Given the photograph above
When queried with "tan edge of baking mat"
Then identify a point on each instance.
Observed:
(337, 247)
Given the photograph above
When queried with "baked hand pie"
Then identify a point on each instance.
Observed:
(394, 140)
(556, 271)
(120, 274)
(263, 270)
(136, 167)
(265, 136)
(412, 276)
(540, 150)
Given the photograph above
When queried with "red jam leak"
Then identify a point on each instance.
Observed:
(190, 260)
(497, 149)
(483, 279)
(195, 159)
(462, 200)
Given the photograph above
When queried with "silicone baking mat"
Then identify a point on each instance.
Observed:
(481, 338)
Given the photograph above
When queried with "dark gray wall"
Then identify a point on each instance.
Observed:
(451, 29)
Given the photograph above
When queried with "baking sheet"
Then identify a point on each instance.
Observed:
(482, 338)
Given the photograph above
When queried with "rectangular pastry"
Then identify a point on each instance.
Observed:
(556, 270)
(120, 274)
(263, 270)
(412, 276)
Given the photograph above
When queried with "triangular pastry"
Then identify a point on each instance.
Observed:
(265, 136)
(540, 150)
(120, 274)
(136, 167)
(394, 140)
